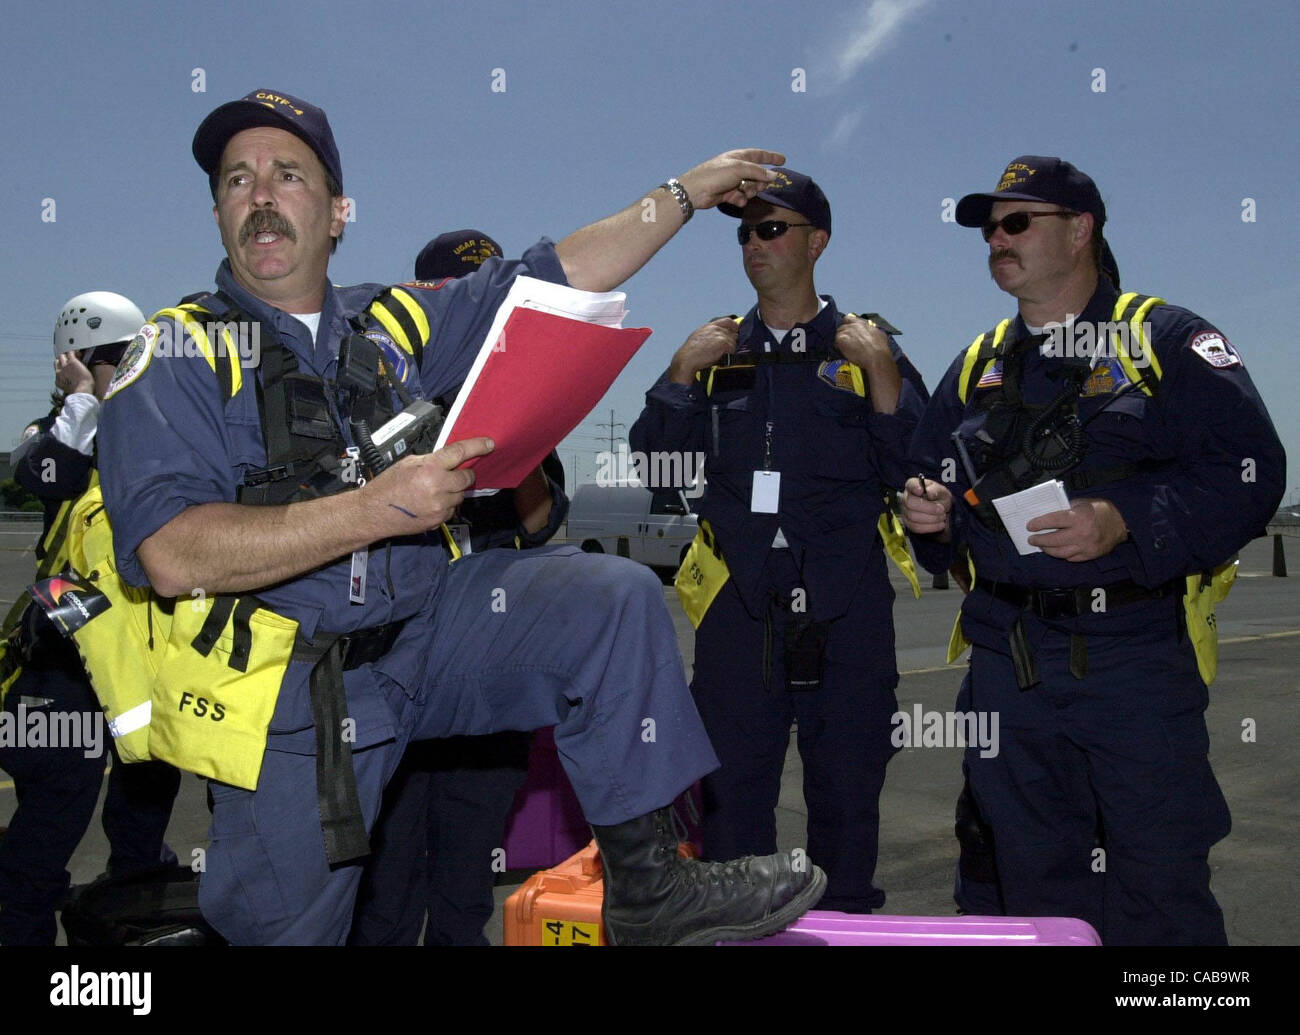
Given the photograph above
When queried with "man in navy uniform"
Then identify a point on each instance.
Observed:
(498, 640)
(1101, 799)
(803, 414)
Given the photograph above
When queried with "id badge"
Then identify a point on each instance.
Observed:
(766, 495)
(460, 533)
(357, 584)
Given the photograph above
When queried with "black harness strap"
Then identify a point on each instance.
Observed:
(287, 471)
(747, 359)
(241, 634)
(218, 616)
(341, 819)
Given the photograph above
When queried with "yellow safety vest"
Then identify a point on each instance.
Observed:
(191, 682)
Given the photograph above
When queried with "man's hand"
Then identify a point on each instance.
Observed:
(734, 177)
(926, 509)
(71, 375)
(1088, 530)
(599, 257)
(702, 349)
(232, 547)
(419, 493)
(862, 342)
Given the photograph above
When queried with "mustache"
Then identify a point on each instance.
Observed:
(1002, 253)
(263, 220)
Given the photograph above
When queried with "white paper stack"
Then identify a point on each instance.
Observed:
(1018, 509)
(605, 308)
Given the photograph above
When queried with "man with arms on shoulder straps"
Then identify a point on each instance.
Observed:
(803, 414)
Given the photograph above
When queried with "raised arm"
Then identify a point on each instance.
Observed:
(602, 255)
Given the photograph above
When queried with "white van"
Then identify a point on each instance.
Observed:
(657, 524)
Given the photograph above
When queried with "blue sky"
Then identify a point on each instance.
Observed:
(906, 103)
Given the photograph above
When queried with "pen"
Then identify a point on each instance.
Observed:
(924, 488)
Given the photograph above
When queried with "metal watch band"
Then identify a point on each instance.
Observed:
(674, 187)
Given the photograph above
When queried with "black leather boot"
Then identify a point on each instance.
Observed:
(654, 898)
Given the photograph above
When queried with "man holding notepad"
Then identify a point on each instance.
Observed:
(394, 643)
(1093, 635)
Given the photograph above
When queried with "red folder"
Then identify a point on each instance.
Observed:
(544, 375)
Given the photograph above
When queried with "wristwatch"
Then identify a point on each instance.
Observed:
(675, 188)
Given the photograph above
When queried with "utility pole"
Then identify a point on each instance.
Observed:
(611, 425)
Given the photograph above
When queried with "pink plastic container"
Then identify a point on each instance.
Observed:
(826, 928)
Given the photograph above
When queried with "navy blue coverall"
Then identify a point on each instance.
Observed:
(499, 640)
(836, 457)
(1121, 750)
(58, 786)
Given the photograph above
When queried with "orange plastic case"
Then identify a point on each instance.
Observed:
(561, 906)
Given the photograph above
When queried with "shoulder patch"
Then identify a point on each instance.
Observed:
(400, 360)
(1215, 349)
(134, 361)
(428, 285)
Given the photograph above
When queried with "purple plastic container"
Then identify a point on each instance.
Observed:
(826, 928)
(545, 825)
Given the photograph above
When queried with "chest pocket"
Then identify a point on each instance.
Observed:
(840, 440)
(1121, 429)
(735, 433)
(244, 426)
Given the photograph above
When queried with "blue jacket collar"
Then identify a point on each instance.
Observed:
(821, 328)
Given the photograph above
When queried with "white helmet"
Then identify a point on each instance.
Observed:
(96, 318)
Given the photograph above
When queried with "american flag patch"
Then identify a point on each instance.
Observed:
(992, 377)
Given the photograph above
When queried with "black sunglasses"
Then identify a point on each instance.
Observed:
(1017, 222)
(109, 355)
(768, 230)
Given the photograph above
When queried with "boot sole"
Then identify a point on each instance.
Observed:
(769, 924)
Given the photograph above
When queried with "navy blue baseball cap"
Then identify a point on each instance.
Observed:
(795, 191)
(1036, 178)
(454, 254)
(267, 108)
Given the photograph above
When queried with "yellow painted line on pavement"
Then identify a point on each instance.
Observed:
(1224, 642)
(954, 667)
(1260, 636)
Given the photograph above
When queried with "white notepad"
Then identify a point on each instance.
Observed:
(1018, 509)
